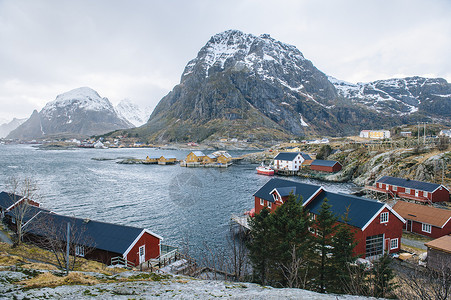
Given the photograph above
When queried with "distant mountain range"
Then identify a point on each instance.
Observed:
(79, 112)
(6, 128)
(241, 85)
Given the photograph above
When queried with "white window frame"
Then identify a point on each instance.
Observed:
(384, 217)
(407, 191)
(262, 202)
(426, 227)
(394, 244)
(80, 250)
(269, 204)
(312, 230)
(425, 194)
(395, 188)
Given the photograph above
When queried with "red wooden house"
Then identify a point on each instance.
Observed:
(104, 240)
(425, 220)
(330, 166)
(378, 228)
(9, 201)
(412, 189)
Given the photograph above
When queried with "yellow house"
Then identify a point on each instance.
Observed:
(195, 156)
(209, 159)
(222, 157)
(151, 160)
(167, 160)
(293, 149)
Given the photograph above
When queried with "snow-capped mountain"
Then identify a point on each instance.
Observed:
(79, 112)
(400, 96)
(7, 127)
(132, 113)
(248, 86)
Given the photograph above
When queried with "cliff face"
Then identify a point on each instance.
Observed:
(245, 86)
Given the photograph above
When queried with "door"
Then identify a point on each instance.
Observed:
(142, 254)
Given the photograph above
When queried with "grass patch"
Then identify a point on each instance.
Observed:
(416, 237)
(148, 276)
(48, 279)
(12, 256)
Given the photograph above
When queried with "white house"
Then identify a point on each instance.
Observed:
(290, 161)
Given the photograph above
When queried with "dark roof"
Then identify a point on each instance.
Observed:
(30, 212)
(106, 236)
(361, 210)
(407, 183)
(306, 156)
(286, 156)
(285, 191)
(291, 156)
(8, 199)
(324, 163)
(302, 189)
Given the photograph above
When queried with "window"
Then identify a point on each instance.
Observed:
(80, 250)
(384, 217)
(407, 191)
(311, 229)
(269, 204)
(312, 216)
(426, 228)
(319, 233)
(262, 202)
(393, 244)
(395, 188)
(425, 194)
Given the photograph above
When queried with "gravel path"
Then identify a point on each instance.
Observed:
(413, 243)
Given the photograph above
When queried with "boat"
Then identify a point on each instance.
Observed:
(264, 170)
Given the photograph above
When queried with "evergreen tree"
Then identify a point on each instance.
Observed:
(382, 276)
(325, 221)
(343, 244)
(291, 241)
(260, 245)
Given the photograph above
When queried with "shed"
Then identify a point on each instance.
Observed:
(439, 253)
(325, 165)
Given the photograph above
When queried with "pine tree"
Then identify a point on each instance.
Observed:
(325, 221)
(291, 241)
(260, 245)
(382, 276)
(343, 243)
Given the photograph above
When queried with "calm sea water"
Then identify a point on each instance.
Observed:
(181, 204)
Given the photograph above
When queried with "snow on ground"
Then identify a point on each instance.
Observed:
(175, 287)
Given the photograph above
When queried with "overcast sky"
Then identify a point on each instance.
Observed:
(138, 49)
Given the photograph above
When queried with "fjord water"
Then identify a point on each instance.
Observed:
(180, 204)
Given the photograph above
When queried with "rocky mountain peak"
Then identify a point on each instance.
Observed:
(79, 112)
(80, 98)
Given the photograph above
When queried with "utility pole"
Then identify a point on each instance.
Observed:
(418, 133)
(424, 137)
(67, 248)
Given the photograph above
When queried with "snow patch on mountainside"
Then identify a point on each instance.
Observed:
(131, 112)
(81, 98)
